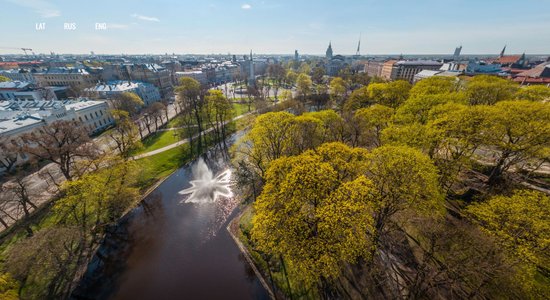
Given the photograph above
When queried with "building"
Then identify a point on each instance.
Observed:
(540, 74)
(151, 73)
(21, 117)
(373, 68)
(63, 76)
(17, 90)
(198, 75)
(19, 75)
(406, 69)
(148, 92)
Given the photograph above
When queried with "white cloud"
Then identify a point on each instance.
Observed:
(41, 7)
(145, 18)
(246, 6)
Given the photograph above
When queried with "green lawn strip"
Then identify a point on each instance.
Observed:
(160, 139)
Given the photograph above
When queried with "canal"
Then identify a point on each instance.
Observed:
(175, 245)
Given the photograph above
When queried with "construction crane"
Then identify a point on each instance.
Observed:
(14, 48)
(25, 50)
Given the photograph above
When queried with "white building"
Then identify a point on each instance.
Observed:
(198, 75)
(148, 92)
(21, 117)
(18, 75)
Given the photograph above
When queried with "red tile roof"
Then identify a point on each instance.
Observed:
(508, 59)
(536, 71)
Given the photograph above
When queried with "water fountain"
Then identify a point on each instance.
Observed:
(206, 188)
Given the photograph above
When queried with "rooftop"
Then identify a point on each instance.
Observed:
(11, 85)
(23, 120)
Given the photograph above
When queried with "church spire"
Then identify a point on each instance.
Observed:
(502, 52)
(329, 51)
(358, 52)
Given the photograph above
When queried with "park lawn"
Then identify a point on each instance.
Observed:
(160, 139)
(240, 108)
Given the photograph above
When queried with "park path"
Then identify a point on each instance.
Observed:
(182, 142)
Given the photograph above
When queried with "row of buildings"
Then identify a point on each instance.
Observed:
(515, 67)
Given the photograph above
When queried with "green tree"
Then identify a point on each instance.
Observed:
(317, 75)
(533, 93)
(405, 180)
(520, 224)
(304, 85)
(372, 120)
(417, 108)
(317, 223)
(435, 85)
(129, 102)
(219, 111)
(125, 133)
(4, 78)
(390, 94)
(269, 139)
(192, 105)
(486, 89)
(358, 98)
(518, 132)
(338, 90)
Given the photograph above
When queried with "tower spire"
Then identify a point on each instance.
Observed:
(358, 52)
(502, 52)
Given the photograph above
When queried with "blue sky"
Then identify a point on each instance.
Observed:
(277, 26)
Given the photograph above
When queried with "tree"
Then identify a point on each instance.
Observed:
(269, 139)
(220, 112)
(372, 120)
(486, 89)
(317, 75)
(44, 262)
(405, 180)
(304, 85)
(313, 220)
(533, 93)
(520, 224)
(61, 142)
(125, 133)
(192, 102)
(334, 127)
(518, 132)
(129, 102)
(291, 77)
(390, 94)
(9, 153)
(358, 99)
(417, 108)
(435, 85)
(156, 111)
(338, 90)
(307, 133)
(4, 78)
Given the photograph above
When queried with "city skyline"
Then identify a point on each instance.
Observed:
(277, 27)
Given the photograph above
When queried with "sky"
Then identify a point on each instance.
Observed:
(276, 26)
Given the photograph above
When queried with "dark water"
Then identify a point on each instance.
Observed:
(164, 249)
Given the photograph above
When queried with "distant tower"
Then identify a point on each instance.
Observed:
(329, 51)
(296, 56)
(358, 52)
(251, 78)
(456, 55)
(502, 52)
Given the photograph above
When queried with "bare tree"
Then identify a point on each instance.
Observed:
(9, 153)
(125, 133)
(61, 142)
